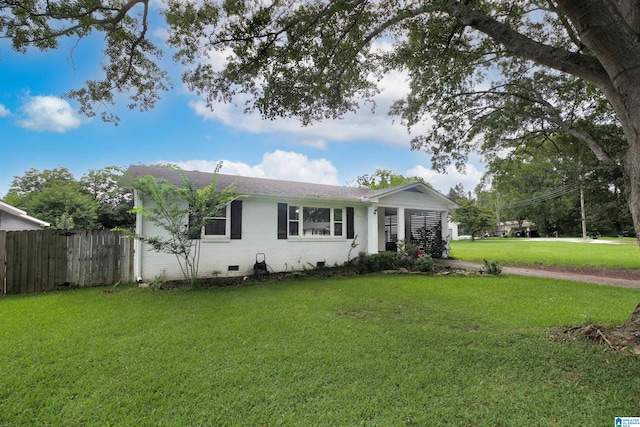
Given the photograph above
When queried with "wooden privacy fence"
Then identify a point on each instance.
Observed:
(45, 260)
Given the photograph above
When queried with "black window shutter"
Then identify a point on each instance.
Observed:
(350, 228)
(282, 220)
(236, 219)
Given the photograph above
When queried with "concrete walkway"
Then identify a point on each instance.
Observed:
(525, 271)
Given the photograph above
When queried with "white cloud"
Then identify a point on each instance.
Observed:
(364, 125)
(48, 113)
(443, 182)
(4, 111)
(283, 165)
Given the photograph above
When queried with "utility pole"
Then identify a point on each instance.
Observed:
(582, 214)
(498, 213)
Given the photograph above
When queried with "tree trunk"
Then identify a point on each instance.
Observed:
(626, 102)
(631, 172)
(609, 30)
(631, 169)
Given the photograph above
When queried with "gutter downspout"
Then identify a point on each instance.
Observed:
(137, 246)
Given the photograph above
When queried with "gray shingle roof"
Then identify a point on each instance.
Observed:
(262, 186)
(254, 186)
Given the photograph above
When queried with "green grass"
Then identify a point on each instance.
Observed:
(369, 350)
(560, 253)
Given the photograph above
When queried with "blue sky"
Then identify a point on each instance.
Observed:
(41, 129)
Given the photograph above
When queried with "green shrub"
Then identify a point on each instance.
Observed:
(407, 254)
(492, 267)
(424, 264)
(372, 263)
(405, 258)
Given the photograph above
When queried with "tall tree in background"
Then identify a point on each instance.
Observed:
(34, 180)
(543, 185)
(385, 178)
(523, 182)
(115, 201)
(98, 200)
(473, 218)
(55, 196)
(457, 193)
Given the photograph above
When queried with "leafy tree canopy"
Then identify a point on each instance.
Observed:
(457, 193)
(385, 178)
(543, 186)
(98, 200)
(483, 75)
(473, 218)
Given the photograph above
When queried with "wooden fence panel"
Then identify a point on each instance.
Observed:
(3, 256)
(9, 267)
(50, 241)
(42, 260)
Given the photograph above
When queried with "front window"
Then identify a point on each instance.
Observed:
(307, 221)
(316, 221)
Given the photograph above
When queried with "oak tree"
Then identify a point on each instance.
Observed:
(320, 59)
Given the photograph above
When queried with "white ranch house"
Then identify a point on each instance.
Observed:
(296, 225)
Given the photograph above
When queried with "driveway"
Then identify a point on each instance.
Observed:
(550, 274)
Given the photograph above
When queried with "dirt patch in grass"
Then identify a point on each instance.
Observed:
(616, 273)
(623, 338)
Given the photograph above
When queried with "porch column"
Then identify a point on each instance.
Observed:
(372, 229)
(401, 225)
(444, 217)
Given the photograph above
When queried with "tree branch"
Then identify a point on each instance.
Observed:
(574, 63)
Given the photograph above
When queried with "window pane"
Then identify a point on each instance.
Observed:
(337, 214)
(316, 221)
(293, 228)
(294, 213)
(338, 229)
(215, 227)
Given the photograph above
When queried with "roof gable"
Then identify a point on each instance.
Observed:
(413, 187)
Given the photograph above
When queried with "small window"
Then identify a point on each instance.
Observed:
(294, 220)
(217, 224)
(337, 222)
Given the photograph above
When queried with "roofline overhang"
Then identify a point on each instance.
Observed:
(21, 214)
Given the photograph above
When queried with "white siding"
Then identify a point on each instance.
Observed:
(413, 200)
(259, 235)
(11, 222)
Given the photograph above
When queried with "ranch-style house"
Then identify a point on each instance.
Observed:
(296, 225)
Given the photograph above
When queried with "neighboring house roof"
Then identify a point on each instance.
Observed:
(273, 187)
(12, 210)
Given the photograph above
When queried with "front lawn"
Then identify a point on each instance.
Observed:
(625, 254)
(370, 350)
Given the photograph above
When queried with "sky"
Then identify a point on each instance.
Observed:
(41, 129)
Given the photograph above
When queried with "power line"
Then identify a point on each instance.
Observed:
(557, 192)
